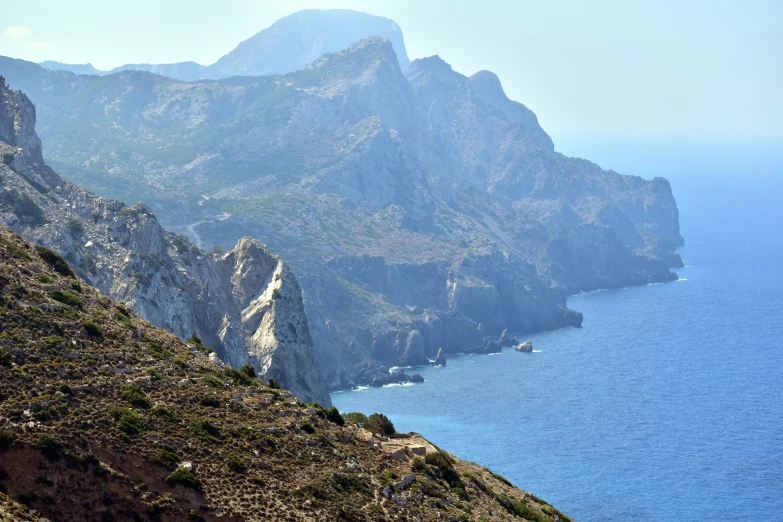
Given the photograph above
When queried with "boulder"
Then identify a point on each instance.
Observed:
(527, 346)
(506, 339)
(440, 359)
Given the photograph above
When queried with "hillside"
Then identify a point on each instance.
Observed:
(412, 225)
(245, 303)
(105, 417)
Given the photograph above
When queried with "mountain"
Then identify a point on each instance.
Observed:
(86, 68)
(298, 39)
(286, 46)
(246, 303)
(187, 71)
(106, 417)
(418, 213)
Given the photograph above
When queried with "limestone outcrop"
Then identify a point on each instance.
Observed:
(526, 346)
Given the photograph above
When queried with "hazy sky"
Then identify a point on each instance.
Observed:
(699, 67)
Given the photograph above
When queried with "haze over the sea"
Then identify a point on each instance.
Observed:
(666, 68)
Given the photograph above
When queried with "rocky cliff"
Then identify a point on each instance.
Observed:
(419, 211)
(246, 303)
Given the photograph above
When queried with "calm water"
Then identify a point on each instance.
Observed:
(668, 403)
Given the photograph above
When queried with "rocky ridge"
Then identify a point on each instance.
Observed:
(411, 225)
(286, 46)
(105, 417)
(245, 303)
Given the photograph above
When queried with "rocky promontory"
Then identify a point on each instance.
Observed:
(419, 209)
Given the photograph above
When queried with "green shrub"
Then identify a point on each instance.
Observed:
(88, 263)
(164, 413)
(15, 250)
(5, 358)
(249, 371)
(27, 210)
(76, 286)
(92, 328)
(210, 400)
(273, 384)
(333, 415)
(166, 458)
(520, 509)
(205, 431)
(307, 427)
(501, 478)
(7, 437)
(123, 319)
(74, 226)
(236, 464)
(356, 417)
(379, 424)
(55, 261)
(8, 157)
(239, 378)
(135, 396)
(66, 298)
(185, 478)
(126, 420)
(45, 279)
(142, 278)
(50, 447)
(213, 381)
(444, 469)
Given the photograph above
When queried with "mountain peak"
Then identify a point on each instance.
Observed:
(431, 64)
(300, 38)
(487, 82)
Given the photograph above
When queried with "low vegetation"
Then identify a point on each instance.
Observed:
(91, 394)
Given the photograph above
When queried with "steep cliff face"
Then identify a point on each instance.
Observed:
(245, 304)
(418, 213)
(298, 39)
(514, 160)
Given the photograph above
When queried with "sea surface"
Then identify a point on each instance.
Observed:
(668, 403)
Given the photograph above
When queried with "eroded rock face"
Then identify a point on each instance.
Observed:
(245, 304)
(419, 210)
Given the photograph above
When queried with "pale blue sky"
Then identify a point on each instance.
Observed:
(606, 66)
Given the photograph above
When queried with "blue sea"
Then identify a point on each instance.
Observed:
(668, 403)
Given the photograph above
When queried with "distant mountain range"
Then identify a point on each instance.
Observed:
(287, 45)
(419, 209)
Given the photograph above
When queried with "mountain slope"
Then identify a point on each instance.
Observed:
(379, 193)
(105, 417)
(286, 46)
(245, 303)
